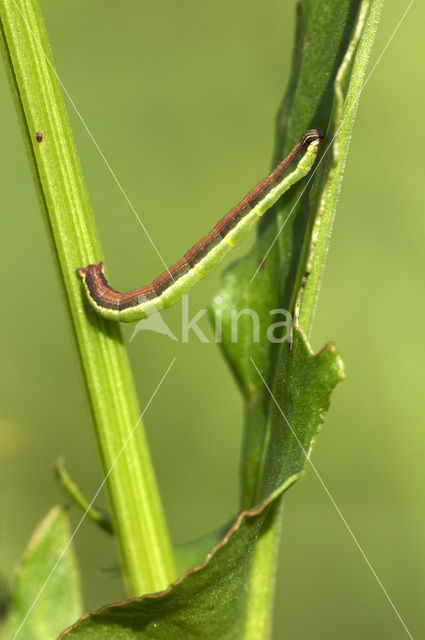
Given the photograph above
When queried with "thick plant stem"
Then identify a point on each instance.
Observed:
(137, 515)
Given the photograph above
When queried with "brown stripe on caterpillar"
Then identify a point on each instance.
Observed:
(257, 193)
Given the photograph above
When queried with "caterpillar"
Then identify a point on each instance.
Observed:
(208, 252)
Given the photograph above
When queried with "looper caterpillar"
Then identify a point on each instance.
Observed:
(206, 254)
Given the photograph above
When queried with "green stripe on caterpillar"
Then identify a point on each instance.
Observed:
(206, 254)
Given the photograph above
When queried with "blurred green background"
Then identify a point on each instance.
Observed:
(181, 97)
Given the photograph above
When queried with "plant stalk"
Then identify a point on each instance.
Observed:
(137, 515)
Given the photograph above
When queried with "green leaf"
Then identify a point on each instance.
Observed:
(348, 86)
(210, 601)
(328, 38)
(59, 603)
(190, 554)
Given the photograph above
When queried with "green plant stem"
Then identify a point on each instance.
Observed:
(136, 510)
(103, 520)
(258, 619)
